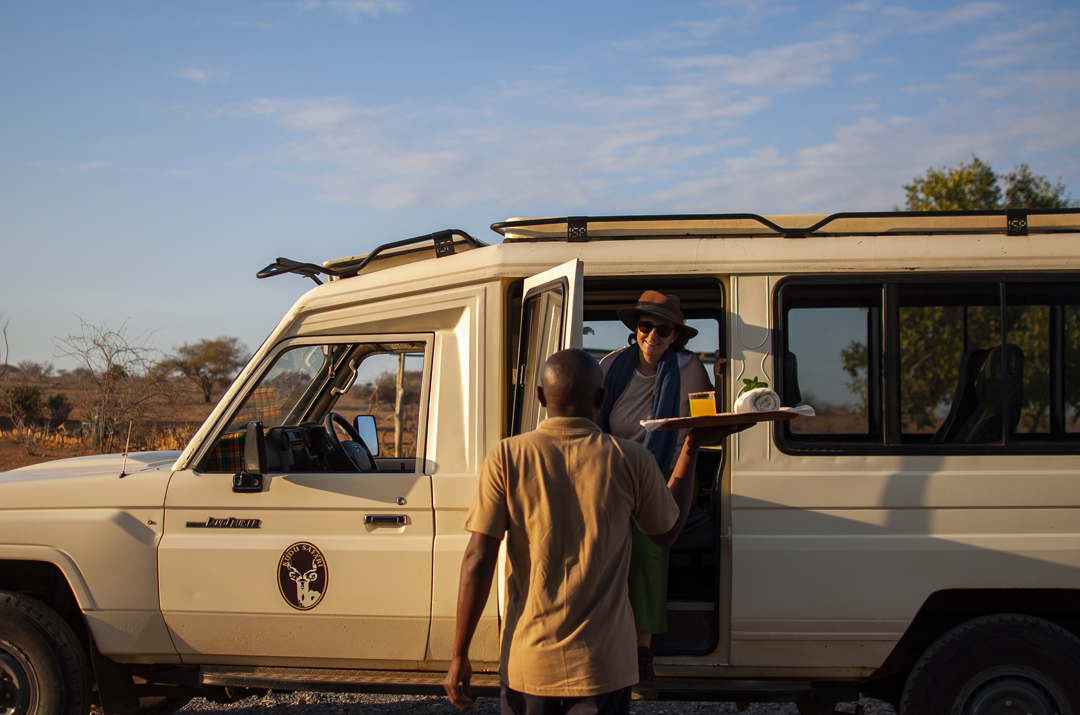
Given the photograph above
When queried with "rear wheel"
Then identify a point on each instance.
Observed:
(997, 665)
(43, 668)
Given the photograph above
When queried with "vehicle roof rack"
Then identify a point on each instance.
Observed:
(443, 241)
(577, 227)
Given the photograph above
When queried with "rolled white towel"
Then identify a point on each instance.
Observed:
(760, 399)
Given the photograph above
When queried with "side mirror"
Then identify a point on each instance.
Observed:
(251, 479)
(365, 427)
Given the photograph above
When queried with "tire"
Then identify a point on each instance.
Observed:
(43, 667)
(997, 664)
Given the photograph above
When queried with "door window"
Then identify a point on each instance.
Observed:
(551, 316)
(305, 383)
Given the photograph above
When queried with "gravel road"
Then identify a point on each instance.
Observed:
(333, 704)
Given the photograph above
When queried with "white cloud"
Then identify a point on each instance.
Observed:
(90, 166)
(73, 168)
(926, 88)
(918, 22)
(715, 131)
(353, 10)
(1029, 43)
(203, 75)
(804, 63)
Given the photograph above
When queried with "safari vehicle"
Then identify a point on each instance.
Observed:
(917, 541)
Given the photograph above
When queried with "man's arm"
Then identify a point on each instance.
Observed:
(681, 484)
(477, 572)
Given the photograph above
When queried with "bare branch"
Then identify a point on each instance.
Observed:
(121, 368)
(4, 357)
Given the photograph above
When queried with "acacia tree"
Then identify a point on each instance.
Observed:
(124, 383)
(976, 186)
(207, 362)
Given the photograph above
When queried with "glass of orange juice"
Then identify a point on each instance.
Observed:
(702, 404)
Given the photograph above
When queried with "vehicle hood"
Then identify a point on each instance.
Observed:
(89, 482)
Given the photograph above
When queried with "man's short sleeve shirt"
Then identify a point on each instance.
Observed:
(565, 495)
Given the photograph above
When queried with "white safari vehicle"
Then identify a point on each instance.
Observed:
(917, 541)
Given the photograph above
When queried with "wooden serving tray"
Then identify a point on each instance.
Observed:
(723, 419)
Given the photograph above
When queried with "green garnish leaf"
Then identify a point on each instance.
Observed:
(751, 383)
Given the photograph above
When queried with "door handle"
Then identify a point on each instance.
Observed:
(385, 519)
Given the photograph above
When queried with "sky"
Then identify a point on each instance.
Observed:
(154, 156)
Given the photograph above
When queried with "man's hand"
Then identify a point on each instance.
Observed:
(681, 483)
(456, 684)
(477, 570)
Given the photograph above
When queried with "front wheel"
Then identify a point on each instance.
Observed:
(997, 665)
(43, 668)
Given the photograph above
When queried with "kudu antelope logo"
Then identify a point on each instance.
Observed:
(302, 576)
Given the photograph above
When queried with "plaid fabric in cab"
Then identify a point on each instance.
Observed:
(228, 454)
(261, 405)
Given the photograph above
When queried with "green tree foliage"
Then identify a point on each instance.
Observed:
(1024, 190)
(208, 363)
(21, 403)
(965, 188)
(976, 186)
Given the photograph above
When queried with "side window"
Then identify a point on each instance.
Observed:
(832, 361)
(951, 362)
(949, 365)
(305, 383)
(1043, 325)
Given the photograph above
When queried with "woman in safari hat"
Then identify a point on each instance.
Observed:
(651, 378)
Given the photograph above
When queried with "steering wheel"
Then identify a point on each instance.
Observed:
(352, 451)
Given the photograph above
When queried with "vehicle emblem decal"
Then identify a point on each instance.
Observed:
(227, 523)
(302, 576)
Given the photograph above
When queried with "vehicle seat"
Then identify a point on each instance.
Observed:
(976, 412)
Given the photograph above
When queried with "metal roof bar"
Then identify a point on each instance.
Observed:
(578, 222)
(444, 246)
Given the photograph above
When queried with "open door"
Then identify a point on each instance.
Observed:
(551, 320)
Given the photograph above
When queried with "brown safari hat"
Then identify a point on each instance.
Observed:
(656, 303)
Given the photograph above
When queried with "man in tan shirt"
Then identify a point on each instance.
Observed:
(564, 495)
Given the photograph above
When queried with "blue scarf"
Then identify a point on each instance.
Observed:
(665, 401)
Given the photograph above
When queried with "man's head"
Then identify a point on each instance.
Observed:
(571, 385)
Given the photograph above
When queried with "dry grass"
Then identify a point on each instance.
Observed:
(162, 427)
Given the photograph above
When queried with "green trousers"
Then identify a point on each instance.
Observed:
(648, 583)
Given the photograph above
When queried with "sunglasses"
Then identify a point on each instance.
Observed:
(645, 327)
